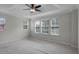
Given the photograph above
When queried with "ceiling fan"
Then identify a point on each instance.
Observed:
(33, 7)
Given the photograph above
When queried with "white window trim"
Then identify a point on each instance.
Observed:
(49, 26)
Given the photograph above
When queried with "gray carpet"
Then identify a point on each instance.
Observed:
(29, 46)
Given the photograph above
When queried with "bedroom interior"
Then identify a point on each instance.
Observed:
(39, 29)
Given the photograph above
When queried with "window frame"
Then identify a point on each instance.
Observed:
(49, 25)
(56, 26)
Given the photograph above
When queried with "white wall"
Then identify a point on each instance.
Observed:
(13, 28)
(74, 28)
(68, 29)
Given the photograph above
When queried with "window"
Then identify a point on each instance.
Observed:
(25, 24)
(2, 23)
(37, 27)
(45, 26)
(42, 26)
(54, 27)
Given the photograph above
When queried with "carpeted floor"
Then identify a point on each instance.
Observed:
(29, 46)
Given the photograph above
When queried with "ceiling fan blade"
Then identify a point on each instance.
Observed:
(37, 10)
(28, 5)
(38, 6)
(32, 6)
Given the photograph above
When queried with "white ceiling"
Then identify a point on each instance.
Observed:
(17, 9)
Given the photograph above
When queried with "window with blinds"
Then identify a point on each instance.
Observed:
(2, 23)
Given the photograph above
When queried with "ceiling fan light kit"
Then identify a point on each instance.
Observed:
(32, 10)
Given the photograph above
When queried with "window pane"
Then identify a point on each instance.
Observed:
(55, 31)
(37, 29)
